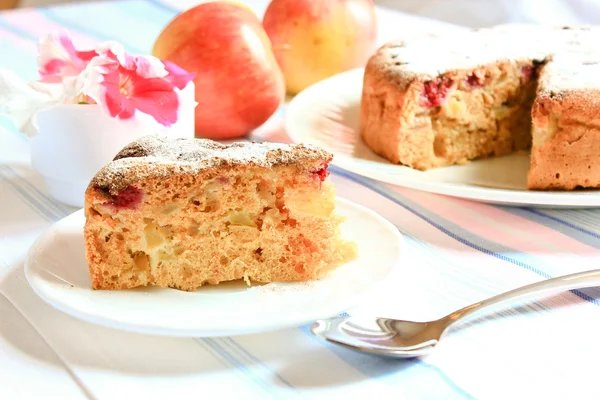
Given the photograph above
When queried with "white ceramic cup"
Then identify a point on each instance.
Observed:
(75, 140)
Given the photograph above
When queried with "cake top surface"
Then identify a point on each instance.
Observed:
(157, 156)
(571, 72)
(432, 55)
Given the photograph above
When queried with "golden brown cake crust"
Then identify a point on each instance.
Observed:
(156, 156)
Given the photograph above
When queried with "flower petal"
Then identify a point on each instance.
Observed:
(57, 57)
(100, 75)
(177, 75)
(86, 55)
(155, 97)
(112, 50)
(51, 70)
(20, 101)
(150, 67)
(147, 66)
(121, 90)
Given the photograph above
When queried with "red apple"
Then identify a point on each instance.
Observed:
(315, 39)
(238, 83)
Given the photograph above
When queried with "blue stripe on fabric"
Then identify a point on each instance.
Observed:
(573, 231)
(566, 223)
(138, 22)
(514, 309)
(453, 230)
(166, 7)
(435, 383)
(17, 31)
(217, 356)
(437, 259)
(235, 363)
(225, 359)
(240, 349)
(22, 62)
(54, 206)
(36, 204)
(86, 29)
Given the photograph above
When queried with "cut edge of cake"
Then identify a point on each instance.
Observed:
(566, 125)
(413, 107)
(187, 212)
(425, 121)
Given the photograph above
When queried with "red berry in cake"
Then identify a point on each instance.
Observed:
(529, 72)
(435, 92)
(322, 173)
(127, 199)
(475, 81)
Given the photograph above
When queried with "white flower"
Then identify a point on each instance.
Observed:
(21, 100)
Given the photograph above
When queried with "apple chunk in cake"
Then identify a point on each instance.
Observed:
(187, 212)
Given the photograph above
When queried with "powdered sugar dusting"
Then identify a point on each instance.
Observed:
(158, 156)
(573, 72)
(430, 56)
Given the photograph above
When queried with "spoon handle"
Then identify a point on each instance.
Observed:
(561, 283)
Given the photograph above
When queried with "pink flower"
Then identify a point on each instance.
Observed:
(58, 58)
(178, 76)
(123, 83)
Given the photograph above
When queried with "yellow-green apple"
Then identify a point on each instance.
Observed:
(315, 39)
(239, 84)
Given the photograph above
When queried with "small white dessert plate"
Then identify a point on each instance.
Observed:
(327, 114)
(57, 271)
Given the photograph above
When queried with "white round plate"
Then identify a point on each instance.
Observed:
(327, 114)
(57, 271)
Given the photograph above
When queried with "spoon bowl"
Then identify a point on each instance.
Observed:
(385, 337)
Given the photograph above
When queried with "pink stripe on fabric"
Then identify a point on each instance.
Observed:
(466, 214)
(18, 40)
(30, 20)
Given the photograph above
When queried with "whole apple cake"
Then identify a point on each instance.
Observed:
(432, 101)
(182, 213)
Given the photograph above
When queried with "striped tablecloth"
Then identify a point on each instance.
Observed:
(457, 252)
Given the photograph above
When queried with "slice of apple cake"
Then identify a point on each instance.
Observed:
(182, 213)
(566, 124)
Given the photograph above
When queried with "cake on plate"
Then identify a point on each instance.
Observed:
(182, 213)
(565, 152)
(432, 101)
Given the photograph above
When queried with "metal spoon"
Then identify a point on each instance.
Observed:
(406, 339)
